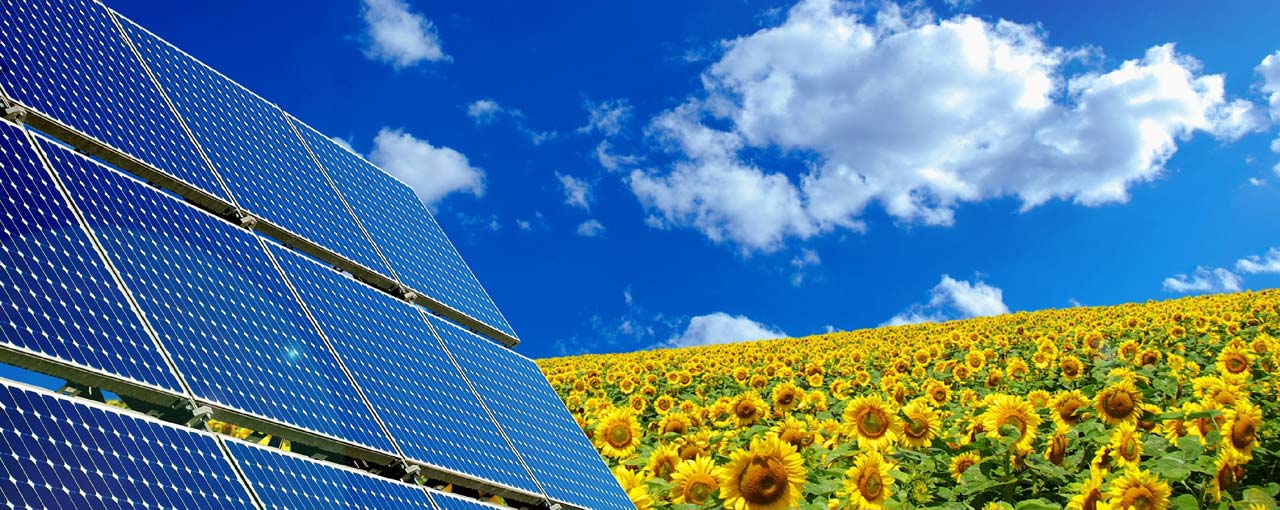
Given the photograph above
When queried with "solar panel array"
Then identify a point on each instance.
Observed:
(309, 324)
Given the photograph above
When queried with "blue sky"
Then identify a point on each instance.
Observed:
(621, 175)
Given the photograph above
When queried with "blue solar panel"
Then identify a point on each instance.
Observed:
(255, 150)
(405, 231)
(57, 299)
(67, 60)
(59, 454)
(533, 416)
(236, 334)
(428, 408)
(284, 481)
(447, 501)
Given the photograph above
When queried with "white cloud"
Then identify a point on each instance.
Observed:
(805, 259)
(1269, 71)
(431, 171)
(606, 117)
(1203, 280)
(953, 299)
(484, 111)
(1257, 182)
(591, 228)
(524, 225)
(720, 327)
(577, 192)
(399, 36)
(1267, 263)
(917, 115)
(344, 143)
(1075, 303)
(613, 162)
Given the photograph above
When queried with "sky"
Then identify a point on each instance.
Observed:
(630, 175)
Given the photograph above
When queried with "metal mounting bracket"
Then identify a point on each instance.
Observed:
(200, 416)
(410, 472)
(13, 112)
(245, 219)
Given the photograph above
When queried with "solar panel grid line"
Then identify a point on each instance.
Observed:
(60, 452)
(485, 406)
(244, 135)
(559, 453)
(101, 251)
(213, 331)
(331, 157)
(293, 290)
(68, 314)
(418, 392)
(293, 125)
(71, 76)
(449, 501)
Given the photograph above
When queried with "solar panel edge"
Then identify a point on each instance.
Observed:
(502, 332)
(439, 471)
(220, 410)
(42, 362)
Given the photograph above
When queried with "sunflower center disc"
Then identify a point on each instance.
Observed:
(871, 486)
(619, 436)
(763, 482)
(873, 423)
(698, 492)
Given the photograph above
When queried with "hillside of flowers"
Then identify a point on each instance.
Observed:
(1149, 406)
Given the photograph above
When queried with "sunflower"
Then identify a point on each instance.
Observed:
(627, 386)
(872, 421)
(840, 389)
(794, 431)
(1139, 490)
(664, 404)
(1126, 445)
(1227, 473)
(1235, 359)
(663, 461)
(636, 489)
(867, 484)
(920, 426)
(749, 409)
(939, 391)
(1090, 495)
(786, 396)
(1012, 411)
(1119, 403)
(1240, 430)
(741, 374)
(695, 481)
(1039, 398)
(638, 403)
(618, 434)
(768, 476)
(816, 402)
(678, 423)
(1057, 451)
(961, 463)
(1071, 367)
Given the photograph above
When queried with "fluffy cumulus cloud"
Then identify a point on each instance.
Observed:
(1269, 72)
(577, 192)
(1254, 264)
(431, 171)
(398, 36)
(720, 327)
(591, 228)
(917, 115)
(953, 299)
(1203, 279)
(484, 111)
(606, 117)
(611, 161)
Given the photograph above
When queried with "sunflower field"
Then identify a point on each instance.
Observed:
(1148, 406)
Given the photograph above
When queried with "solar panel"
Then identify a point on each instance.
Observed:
(424, 401)
(67, 60)
(60, 454)
(405, 232)
(255, 150)
(57, 299)
(221, 310)
(285, 481)
(539, 425)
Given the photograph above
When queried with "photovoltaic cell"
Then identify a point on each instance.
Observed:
(284, 481)
(533, 416)
(447, 501)
(57, 299)
(405, 231)
(67, 60)
(255, 151)
(220, 308)
(420, 395)
(58, 454)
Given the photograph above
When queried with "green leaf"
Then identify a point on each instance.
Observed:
(1184, 502)
(1037, 504)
